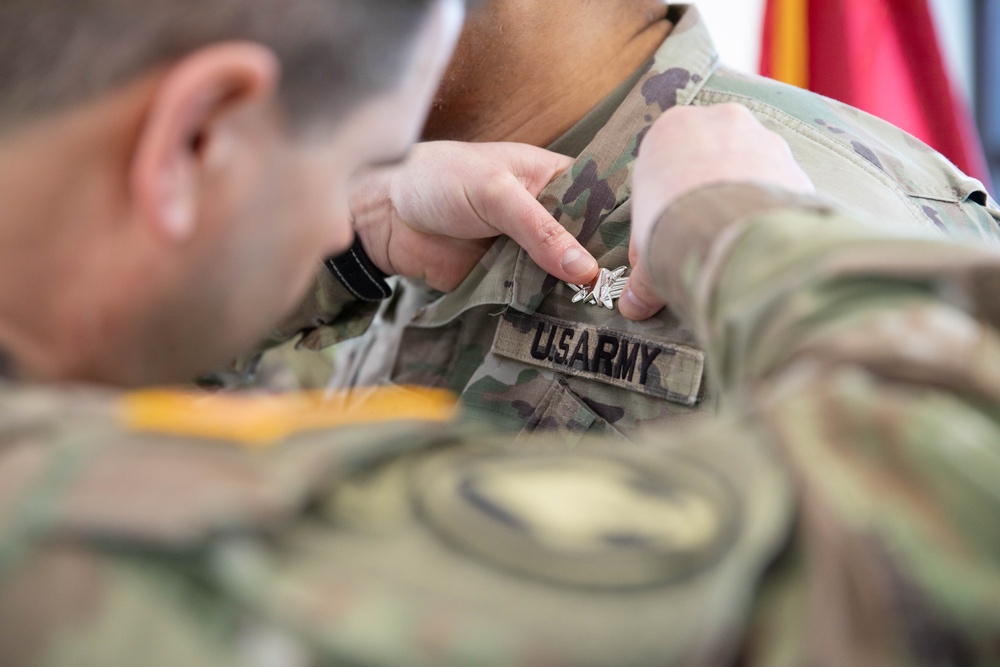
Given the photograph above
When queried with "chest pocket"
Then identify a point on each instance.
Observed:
(538, 373)
(646, 365)
(534, 360)
(625, 378)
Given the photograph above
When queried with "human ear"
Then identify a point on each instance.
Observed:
(185, 128)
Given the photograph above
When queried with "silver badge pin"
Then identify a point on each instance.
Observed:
(603, 290)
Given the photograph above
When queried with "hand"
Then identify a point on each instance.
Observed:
(434, 216)
(689, 148)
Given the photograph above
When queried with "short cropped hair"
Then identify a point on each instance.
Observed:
(56, 53)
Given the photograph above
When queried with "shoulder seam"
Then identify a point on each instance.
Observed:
(802, 129)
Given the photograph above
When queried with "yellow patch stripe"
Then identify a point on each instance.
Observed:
(258, 420)
(791, 48)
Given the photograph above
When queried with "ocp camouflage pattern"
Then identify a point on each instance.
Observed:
(857, 162)
(840, 511)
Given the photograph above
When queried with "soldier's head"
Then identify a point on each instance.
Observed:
(524, 63)
(170, 170)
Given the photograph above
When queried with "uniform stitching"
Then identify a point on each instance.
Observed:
(376, 283)
(343, 281)
(796, 125)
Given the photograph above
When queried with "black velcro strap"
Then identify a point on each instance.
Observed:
(359, 275)
(6, 366)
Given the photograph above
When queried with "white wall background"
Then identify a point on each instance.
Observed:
(736, 27)
(955, 29)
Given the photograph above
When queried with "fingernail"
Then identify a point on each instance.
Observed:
(578, 263)
(632, 308)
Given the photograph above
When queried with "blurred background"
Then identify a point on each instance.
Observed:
(928, 66)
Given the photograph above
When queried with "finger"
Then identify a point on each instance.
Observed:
(639, 301)
(521, 217)
(539, 167)
(449, 268)
(633, 252)
(443, 263)
(535, 167)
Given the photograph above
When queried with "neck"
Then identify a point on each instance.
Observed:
(530, 81)
(58, 243)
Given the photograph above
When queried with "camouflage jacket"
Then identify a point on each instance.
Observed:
(479, 341)
(842, 511)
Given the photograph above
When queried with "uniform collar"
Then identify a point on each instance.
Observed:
(599, 182)
(577, 138)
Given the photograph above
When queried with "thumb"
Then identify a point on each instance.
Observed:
(640, 301)
(534, 167)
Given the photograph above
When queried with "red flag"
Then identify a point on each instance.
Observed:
(882, 56)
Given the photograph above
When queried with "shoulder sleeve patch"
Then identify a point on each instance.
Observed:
(581, 519)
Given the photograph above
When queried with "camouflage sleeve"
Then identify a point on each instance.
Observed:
(387, 544)
(223, 531)
(76, 605)
(871, 360)
(767, 277)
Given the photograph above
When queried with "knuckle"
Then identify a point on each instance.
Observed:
(778, 146)
(550, 235)
(443, 277)
(735, 111)
(646, 291)
(494, 185)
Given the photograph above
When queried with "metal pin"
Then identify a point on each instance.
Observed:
(603, 290)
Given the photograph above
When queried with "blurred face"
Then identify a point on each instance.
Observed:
(289, 211)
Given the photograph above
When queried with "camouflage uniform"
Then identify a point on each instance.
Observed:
(479, 341)
(841, 512)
